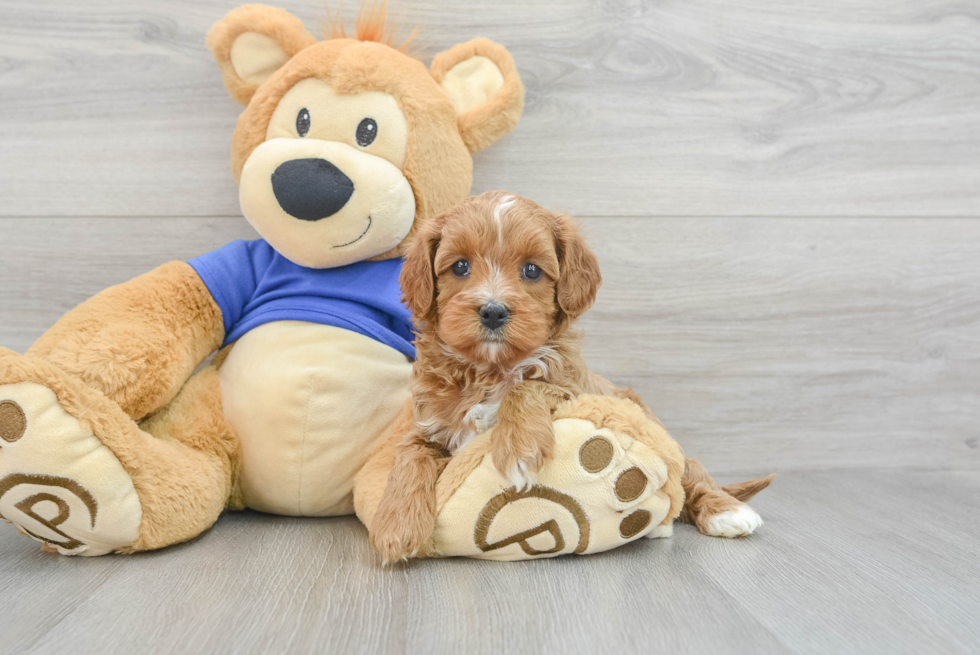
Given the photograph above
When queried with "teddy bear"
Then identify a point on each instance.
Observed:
(265, 374)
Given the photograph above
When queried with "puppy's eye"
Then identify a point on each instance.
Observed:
(303, 122)
(461, 268)
(531, 272)
(367, 132)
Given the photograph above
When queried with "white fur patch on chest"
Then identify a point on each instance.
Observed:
(478, 419)
(483, 416)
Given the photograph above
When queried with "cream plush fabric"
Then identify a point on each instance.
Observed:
(90, 507)
(305, 422)
(472, 82)
(570, 510)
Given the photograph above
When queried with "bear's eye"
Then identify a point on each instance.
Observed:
(367, 132)
(461, 268)
(303, 122)
(531, 272)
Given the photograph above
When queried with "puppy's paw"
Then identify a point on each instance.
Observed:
(519, 452)
(522, 478)
(737, 522)
(395, 545)
(400, 532)
(520, 470)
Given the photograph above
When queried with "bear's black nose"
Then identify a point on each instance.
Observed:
(494, 315)
(311, 189)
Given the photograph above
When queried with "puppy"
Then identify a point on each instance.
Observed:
(494, 286)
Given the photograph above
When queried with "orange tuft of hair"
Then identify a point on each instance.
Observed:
(371, 25)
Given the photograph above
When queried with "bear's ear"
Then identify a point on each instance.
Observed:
(251, 43)
(482, 81)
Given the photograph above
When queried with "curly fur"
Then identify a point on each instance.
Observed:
(468, 379)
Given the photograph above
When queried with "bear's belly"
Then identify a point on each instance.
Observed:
(310, 403)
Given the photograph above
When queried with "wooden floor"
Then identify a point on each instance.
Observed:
(784, 197)
(849, 561)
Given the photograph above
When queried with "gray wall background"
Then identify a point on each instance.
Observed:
(783, 196)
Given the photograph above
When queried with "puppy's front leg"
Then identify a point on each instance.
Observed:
(524, 437)
(406, 514)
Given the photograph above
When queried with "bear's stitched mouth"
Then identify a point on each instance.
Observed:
(358, 238)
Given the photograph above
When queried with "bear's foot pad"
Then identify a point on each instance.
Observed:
(59, 484)
(602, 489)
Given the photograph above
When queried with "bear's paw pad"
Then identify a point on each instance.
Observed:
(600, 490)
(59, 484)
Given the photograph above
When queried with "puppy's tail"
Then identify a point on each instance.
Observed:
(719, 511)
(745, 490)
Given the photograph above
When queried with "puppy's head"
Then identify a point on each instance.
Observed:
(497, 276)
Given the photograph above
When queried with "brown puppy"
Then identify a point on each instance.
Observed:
(494, 285)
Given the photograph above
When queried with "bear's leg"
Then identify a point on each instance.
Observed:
(78, 475)
(137, 342)
(193, 423)
(719, 511)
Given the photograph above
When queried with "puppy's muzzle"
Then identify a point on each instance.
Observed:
(311, 189)
(494, 316)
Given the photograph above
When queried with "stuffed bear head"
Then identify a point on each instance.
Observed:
(347, 145)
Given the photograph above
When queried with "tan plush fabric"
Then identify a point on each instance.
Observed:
(138, 342)
(484, 123)
(182, 488)
(196, 419)
(311, 402)
(282, 29)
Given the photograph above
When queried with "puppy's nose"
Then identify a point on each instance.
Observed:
(311, 189)
(494, 315)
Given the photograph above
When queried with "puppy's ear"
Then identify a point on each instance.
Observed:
(251, 43)
(578, 269)
(418, 279)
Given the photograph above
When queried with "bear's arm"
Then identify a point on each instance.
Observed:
(138, 342)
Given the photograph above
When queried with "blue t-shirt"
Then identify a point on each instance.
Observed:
(253, 285)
